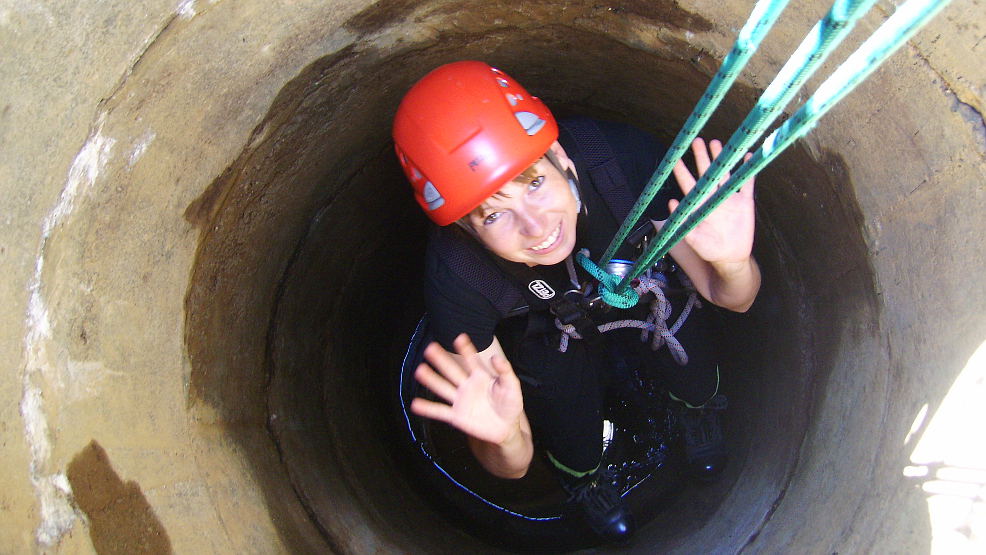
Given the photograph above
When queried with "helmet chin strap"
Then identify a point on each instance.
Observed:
(573, 180)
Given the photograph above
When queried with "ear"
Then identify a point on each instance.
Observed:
(563, 159)
(568, 167)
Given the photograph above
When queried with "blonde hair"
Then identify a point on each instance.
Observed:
(526, 176)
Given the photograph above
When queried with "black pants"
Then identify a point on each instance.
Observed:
(565, 393)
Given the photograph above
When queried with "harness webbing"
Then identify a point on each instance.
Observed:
(468, 261)
(602, 165)
(823, 38)
(654, 327)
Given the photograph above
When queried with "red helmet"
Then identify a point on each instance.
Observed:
(463, 131)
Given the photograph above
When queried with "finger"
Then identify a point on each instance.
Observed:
(501, 366)
(431, 409)
(715, 147)
(444, 362)
(506, 379)
(685, 179)
(463, 345)
(473, 362)
(435, 383)
(701, 154)
(672, 205)
(746, 189)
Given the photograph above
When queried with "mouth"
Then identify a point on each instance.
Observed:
(549, 243)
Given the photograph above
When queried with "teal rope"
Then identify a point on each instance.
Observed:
(824, 37)
(890, 36)
(821, 41)
(761, 19)
(627, 298)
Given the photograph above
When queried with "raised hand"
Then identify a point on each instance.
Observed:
(726, 235)
(482, 399)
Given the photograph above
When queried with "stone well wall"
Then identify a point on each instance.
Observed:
(211, 262)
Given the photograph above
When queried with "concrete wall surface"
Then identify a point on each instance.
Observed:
(197, 194)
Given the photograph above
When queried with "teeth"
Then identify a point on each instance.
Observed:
(549, 241)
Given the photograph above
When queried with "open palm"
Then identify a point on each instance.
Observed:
(726, 234)
(482, 399)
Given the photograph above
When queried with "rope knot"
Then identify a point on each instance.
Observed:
(655, 327)
(608, 284)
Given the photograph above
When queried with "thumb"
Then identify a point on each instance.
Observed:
(501, 366)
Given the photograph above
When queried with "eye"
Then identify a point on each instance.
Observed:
(492, 218)
(536, 183)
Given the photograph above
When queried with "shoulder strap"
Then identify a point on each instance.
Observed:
(600, 160)
(477, 269)
(566, 310)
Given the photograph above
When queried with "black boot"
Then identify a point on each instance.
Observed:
(705, 445)
(601, 506)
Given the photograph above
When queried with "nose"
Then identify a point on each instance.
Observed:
(531, 220)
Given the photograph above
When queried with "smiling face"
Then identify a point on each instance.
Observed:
(532, 220)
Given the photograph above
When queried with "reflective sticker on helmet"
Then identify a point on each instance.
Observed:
(512, 99)
(541, 288)
(530, 122)
(432, 197)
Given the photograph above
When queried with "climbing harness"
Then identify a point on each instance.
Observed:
(815, 48)
(506, 285)
(654, 327)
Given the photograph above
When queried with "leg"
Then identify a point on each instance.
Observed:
(696, 386)
(563, 398)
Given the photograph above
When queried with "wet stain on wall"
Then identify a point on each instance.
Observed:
(120, 518)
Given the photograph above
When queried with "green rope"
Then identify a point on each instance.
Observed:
(901, 26)
(823, 38)
(627, 298)
(761, 19)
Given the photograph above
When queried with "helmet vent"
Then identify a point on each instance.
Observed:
(432, 197)
(530, 122)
